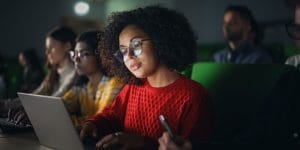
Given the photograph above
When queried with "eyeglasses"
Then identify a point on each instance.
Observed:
(293, 30)
(135, 49)
(82, 54)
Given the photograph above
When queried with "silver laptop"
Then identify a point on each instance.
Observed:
(51, 122)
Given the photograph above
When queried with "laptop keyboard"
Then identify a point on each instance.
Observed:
(11, 127)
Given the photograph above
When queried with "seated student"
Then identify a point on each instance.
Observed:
(33, 72)
(61, 71)
(278, 120)
(87, 99)
(293, 30)
(152, 45)
(243, 35)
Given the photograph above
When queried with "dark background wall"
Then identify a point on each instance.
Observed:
(25, 23)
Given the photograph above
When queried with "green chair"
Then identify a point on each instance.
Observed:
(238, 91)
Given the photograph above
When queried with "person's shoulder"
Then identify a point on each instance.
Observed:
(257, 49)
(293, 60)
(194, 92)
(114, 80)
(221, 52)
(220, 55)
(191, 85)
(259, 55)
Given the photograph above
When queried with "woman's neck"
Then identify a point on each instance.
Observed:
(63, 63)
(163, 77)
(95, 78)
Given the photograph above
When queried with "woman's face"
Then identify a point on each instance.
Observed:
(85, 59)
(143, 63)
(56, 51)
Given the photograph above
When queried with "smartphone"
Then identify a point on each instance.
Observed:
(173, 136)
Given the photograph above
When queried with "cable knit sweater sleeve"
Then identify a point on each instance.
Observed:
(184, 103)
(197, 118)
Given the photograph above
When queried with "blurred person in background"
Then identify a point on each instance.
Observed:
(3, 80)
(293, 30)
(61, 71)
(33, 72)
(243, 36)
(3, 86)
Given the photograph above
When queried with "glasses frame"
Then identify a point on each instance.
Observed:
(131, 51)
(82, 54)
(289, 27)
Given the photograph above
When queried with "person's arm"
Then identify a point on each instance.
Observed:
(108, 93)
(71, 100)
(68, 81)
(34, 79)
(197, 119)
(112, 117)
(39, 89)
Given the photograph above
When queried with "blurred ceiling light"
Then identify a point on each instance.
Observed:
(81, 8)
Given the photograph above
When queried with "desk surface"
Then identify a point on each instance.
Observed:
(24, 141)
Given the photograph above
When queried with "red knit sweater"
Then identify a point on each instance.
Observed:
(184, 103)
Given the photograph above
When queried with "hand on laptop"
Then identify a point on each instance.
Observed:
(88, 129)
(120, 140)
(18, 116)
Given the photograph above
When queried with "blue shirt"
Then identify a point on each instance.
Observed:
(245, 54)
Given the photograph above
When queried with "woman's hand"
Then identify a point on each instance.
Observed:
(166, 143)
(18, 116)
(124, 141)
(88, 129)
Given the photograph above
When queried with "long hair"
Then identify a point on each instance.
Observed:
(65, 35)
(32, 60)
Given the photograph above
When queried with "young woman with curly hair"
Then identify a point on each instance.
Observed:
(147, 47)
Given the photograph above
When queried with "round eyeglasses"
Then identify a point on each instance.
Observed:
(293, 30)
(82, 54)
(135, 49)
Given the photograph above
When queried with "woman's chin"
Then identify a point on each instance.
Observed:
(81, 73)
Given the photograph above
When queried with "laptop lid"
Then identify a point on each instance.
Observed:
(51, 121)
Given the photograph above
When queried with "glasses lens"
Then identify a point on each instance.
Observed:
(72, 54)
(136, 47)
(293, 31)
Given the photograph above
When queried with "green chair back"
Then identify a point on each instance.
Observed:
(238, 91)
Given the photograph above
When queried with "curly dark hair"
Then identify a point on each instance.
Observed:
(169, 31)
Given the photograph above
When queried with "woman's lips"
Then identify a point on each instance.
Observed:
(77, 66)
(135, 66)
